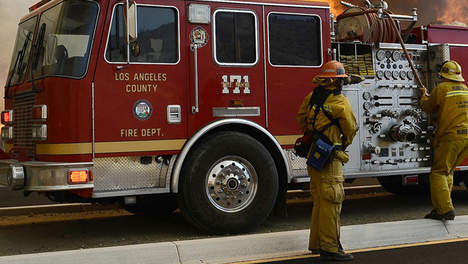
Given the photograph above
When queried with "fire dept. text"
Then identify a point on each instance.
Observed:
(143, 132)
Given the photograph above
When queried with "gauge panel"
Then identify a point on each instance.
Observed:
(403, 75)
(380, 55)
(388, 54)
(380, 74)
(396, 55)
(388, 74)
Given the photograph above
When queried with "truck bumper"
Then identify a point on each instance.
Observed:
(41, 176)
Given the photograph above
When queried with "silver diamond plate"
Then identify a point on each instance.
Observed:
(297, 164)
(127, 173)
(437, 56)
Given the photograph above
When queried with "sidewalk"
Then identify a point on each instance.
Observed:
(251, 247)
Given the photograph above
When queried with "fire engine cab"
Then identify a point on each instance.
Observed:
(154, 101)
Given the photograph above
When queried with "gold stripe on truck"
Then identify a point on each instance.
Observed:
(109, 147)
(287, 140)
(128, 146)
(64, 149)
(137, 146)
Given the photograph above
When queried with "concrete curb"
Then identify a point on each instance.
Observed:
(251, 247)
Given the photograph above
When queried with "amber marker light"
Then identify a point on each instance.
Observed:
(236, 103)
(7, 117)
(78, 176)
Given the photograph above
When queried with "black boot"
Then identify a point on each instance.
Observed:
(331, 256)
(450, 215)
(433, 215)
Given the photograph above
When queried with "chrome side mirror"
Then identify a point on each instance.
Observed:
(130, 19)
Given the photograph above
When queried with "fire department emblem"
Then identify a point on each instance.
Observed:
(142, 110)
(199, 36)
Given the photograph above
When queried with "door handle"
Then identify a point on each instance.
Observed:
(194, 48)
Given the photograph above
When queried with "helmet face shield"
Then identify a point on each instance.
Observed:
(333, 69)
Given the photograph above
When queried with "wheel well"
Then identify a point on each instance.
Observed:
(266, 141)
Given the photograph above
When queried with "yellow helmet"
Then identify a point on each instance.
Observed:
(452, 70)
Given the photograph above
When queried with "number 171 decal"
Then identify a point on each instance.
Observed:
(236, 83)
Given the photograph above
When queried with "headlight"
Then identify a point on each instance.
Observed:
(7, 133)
(39, 132)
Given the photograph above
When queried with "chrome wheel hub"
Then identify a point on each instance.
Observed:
(231, 184)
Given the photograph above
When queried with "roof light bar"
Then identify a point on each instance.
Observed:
(38, 4)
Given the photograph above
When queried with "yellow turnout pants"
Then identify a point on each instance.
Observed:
(447, 155)
(326, 188)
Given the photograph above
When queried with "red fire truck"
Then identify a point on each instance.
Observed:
(154, 101)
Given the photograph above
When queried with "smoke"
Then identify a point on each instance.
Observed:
(429, 11)
(11, 12)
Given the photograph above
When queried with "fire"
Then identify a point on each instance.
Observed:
(335, 7)
(453, 13)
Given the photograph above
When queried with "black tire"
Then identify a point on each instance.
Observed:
(153, 205)
(229, 184)
(393, 184)
(465, 179)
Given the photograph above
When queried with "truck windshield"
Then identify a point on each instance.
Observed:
(21, 52)
(65, 34)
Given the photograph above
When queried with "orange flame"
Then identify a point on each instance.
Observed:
(453, 14)
(336, 7)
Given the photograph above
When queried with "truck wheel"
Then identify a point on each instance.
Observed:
(465, 179)
(229, 184)
(393, 184)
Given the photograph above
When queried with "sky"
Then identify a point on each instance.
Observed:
(11, 12)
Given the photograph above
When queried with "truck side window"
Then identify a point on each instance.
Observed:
(20, 58)
(236, 37)
(158, 36)
(294, 39)
(65, 37)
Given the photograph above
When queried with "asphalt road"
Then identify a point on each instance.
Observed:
(427, 253)
(17, 198)
(32, 233)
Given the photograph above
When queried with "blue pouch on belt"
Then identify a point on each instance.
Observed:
(320, 155)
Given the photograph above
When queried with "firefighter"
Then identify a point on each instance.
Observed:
(450, 144)
(326, 186)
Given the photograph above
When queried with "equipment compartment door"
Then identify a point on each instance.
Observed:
(139, 106)
(226, 69)
(354, 150)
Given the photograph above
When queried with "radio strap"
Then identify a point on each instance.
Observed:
(319, 106)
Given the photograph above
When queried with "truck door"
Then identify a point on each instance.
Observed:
(138, 105)
(226, 68)
(297, 45)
